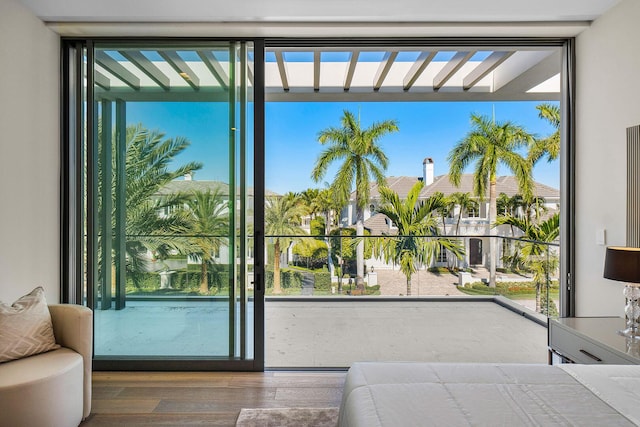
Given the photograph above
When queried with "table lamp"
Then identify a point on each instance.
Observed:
(623, 264)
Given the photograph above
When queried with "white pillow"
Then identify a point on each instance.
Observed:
(25, 327)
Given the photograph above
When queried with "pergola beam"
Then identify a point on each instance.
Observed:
(214, 66)
(488, 65)
(250, 72)
(383, 69)
(138, 59)
(526, 79)
(101, 80)
(316, 70)
(417, 68)
(181, 67)
(404, 96)
(117, 69)
(348, 79)
(282, 68)
(452, 67)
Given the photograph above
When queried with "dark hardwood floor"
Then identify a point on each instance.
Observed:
(204, 398)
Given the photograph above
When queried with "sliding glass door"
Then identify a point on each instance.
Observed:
(170, 193)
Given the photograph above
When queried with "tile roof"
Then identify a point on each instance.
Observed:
(186, 186)
(378, 224)
(441, 183)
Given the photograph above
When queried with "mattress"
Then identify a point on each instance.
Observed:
(441, 394)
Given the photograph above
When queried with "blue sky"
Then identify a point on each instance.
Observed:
(427, 129)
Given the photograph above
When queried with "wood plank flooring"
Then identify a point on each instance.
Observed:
(204, 398)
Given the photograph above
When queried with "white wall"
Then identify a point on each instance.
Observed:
(607, 102)
(29, 154)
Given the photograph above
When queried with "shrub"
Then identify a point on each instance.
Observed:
(372, 290)
(322, 281)
(439, 270)
(551, 310)
(288, 279)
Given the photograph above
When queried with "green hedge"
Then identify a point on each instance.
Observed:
(322, 281)
(552, 310)
(289, 279)
(507, 289)
(186, 282)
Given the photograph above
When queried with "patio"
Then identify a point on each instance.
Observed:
(334, 332)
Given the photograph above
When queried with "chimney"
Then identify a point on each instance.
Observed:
(427, 171)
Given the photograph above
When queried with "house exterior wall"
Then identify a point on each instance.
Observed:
(29, 154)
(607, 102)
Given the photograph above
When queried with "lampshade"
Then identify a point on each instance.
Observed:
(622, 264)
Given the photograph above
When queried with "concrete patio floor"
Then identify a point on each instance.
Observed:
(330, 333)
(324, 334)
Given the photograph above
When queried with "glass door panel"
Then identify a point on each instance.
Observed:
(171, 171)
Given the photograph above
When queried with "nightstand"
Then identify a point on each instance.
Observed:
(592, 340)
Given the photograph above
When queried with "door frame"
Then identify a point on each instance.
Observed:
(77, 109)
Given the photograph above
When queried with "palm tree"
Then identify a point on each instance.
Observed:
(464, 203)
(362, 159)
(445, 209)
(534, 207)
(147, 161)
(415, 221)
(209, 224)
(549, 146)
(309, 199)
(489, 144)
(502, 204)
(280, 216)
(535, 252)
(329, 207)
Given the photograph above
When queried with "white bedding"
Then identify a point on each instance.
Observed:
(617, 385)
(439, 394)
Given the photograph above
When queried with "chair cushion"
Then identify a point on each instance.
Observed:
(42, 390)
(25, 327)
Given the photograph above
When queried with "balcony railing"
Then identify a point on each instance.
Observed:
(325, 266)
(394, 266)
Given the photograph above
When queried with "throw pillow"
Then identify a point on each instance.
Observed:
(25, 327)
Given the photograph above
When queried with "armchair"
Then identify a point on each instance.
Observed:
(52, 388)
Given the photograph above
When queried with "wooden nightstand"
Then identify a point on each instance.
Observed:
(592, 340)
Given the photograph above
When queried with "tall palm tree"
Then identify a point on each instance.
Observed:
(209, 224)
(489, 144)
(280, 218)
(328, 205)
(415, 221)
(536, 255)
(549, 146)
(362, 159)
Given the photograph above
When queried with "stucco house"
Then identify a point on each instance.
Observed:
(474, 222)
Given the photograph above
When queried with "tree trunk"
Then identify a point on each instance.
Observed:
(204, 283)
(360, 251)
(493, 210)
(538, 302)
(327, 240)
(409, 286)
(276, 268)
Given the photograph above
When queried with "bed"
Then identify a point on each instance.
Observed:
(441, 394)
